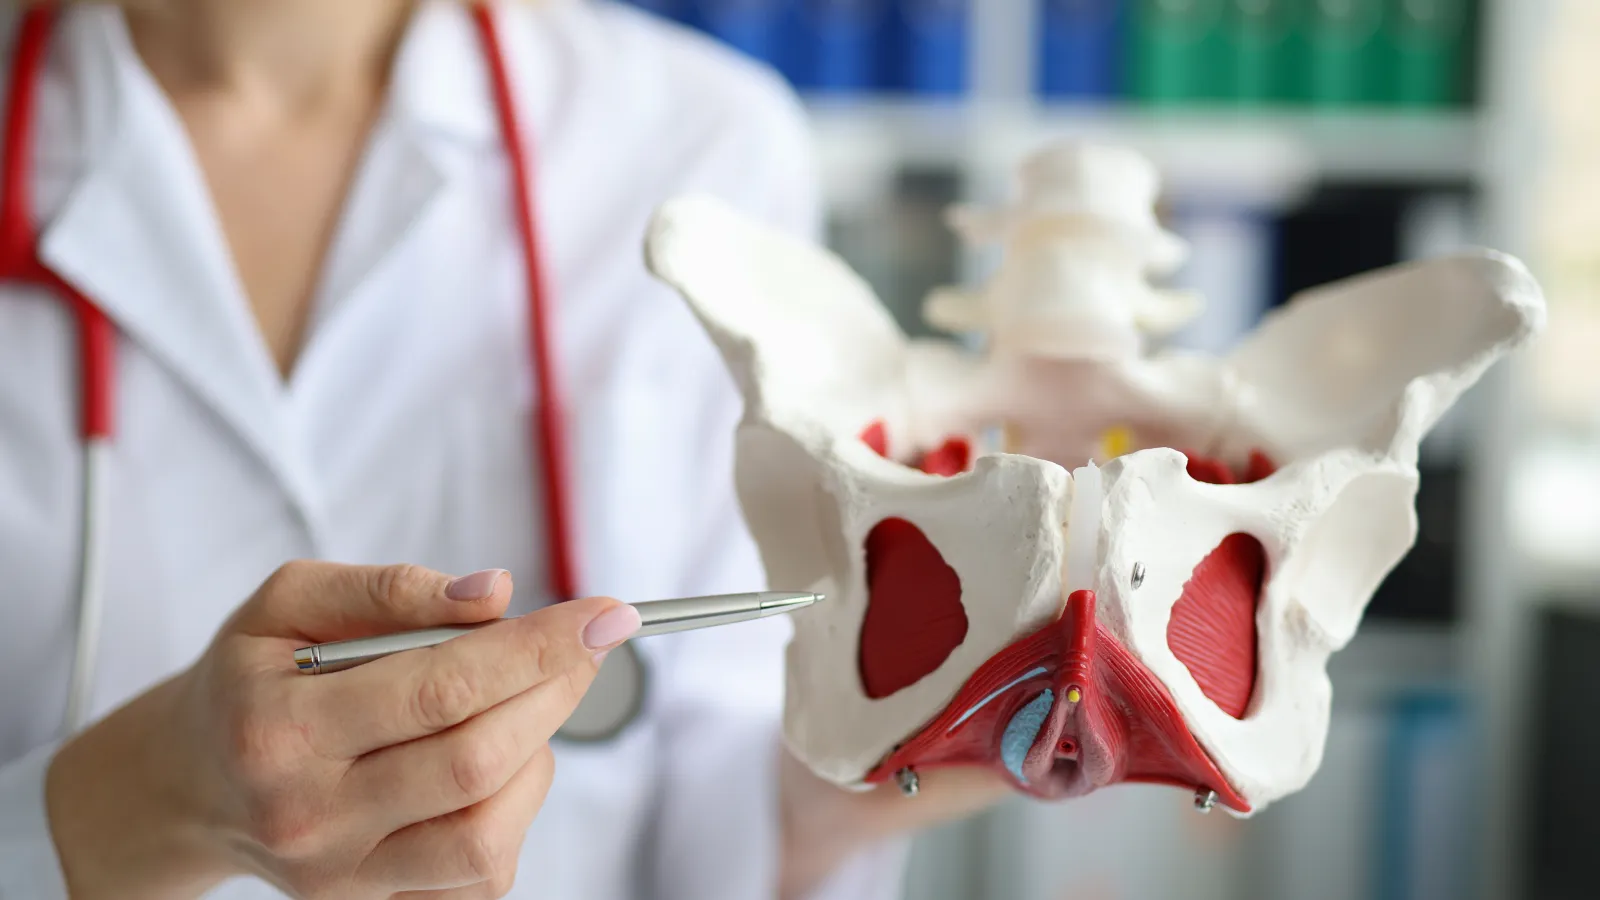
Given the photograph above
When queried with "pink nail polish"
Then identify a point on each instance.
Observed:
(611, 627)
(476, 586)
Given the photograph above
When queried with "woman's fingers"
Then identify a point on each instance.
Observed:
(273, 751)
(421, 692)
(474, 848)
(320, 601)
(481, 891)
(465, 765)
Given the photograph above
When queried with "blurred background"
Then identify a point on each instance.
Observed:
(1301, 141)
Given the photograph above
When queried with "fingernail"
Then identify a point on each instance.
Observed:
(600, 657)
(610, 627)
(476, 586)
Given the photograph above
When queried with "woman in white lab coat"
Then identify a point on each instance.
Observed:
(299, 220)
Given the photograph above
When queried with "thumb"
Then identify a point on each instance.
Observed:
(323, 601)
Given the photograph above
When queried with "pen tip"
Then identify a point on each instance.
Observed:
(788, 601)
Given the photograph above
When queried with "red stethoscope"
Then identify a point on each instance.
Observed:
(616, 696)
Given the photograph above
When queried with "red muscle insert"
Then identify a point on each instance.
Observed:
(1213, 626)
(1215, 471)
(952, 457)
(914, 618)
(876, 437)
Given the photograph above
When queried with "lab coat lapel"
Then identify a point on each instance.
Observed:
(404, 170)
(430, 140)
(392, 191)
(439, 128)
(138, 235)
(437, 122)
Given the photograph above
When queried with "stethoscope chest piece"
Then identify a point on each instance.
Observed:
(614, 699)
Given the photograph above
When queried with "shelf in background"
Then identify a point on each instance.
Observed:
(1265, 158)
(1556, 534)
(1388, 658)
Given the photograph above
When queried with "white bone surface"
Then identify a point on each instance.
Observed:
(1338, 388)
(819, 360)
(1079, 240)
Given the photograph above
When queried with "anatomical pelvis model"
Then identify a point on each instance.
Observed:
(1071, 558)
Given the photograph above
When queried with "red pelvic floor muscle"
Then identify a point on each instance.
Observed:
(952, 457)
(1215, 471)
(914, 617)
(876, 437)
(1124, 727)
(1213, 626)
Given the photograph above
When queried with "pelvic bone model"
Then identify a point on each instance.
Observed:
(1078, 247)
(1145, 579)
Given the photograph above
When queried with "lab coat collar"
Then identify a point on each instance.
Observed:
(440, 104)
(137, 235)
(440, 81)
(137, 232)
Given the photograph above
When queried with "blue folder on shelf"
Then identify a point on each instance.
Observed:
(840, 45)
(930, 40)
(666, 9)
(1080, 48)
(1425, 836)
(758, 28)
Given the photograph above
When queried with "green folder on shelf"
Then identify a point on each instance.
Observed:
(1178, 51)
(1430, 46)
(1345, 59)
(1264, 43)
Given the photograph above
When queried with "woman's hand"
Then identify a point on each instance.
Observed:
(416, 772)
(823, 825)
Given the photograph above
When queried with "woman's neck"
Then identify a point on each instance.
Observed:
(299, 55)
(278, 98)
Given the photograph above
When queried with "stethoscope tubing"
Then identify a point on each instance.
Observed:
(91, 580)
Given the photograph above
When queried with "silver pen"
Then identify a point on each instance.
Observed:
(658, 617)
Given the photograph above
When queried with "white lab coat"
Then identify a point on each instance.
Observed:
(402, 434)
